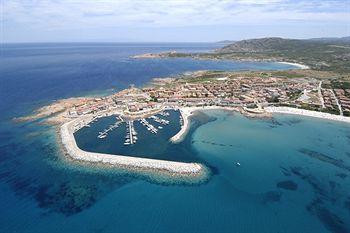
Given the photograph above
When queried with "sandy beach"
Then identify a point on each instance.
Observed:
(169, 168)
(186, 112)
(300, 66)
(302, 112)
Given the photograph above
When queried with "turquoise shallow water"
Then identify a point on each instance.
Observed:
(294, 175)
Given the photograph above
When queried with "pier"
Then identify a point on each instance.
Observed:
(130, 137)
(104, 133)
(159, 120)
(149, 127)
(165, 114)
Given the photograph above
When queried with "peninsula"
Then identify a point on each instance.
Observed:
(317, 54)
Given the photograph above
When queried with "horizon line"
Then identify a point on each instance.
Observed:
(136, 42)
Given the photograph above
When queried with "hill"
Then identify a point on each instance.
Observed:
(332, 54)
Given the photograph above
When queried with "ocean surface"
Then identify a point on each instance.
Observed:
(294, 174)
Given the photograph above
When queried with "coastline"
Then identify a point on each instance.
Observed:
(187, 112)
(302, 112)
(194, 171)
(162, 170)
(300, 66)
(167, 55)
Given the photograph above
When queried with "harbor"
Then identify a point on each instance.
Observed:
(122, 158)
(152, 124)
(144, 137)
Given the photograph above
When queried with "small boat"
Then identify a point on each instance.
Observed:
(238, 164)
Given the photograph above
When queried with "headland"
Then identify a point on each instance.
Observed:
(329, 55)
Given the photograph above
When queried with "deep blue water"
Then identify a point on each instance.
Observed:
(294, 175)
(34, 74)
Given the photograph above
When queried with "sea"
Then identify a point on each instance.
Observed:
(294, 173)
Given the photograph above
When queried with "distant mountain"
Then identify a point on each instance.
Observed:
(277, 44)
(268, 44)
(324, 54)
(320, 53)
(226, 42)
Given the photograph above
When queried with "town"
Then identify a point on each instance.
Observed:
(222, 89)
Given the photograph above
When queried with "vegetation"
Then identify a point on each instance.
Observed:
(322, 55)
(294, 95)
(204, 76)
(289, 74)
(331, 111)
(337, 84)
(154, 99)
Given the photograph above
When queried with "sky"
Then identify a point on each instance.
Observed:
(170, 20)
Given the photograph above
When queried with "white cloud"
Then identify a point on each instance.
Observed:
(60, 15)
